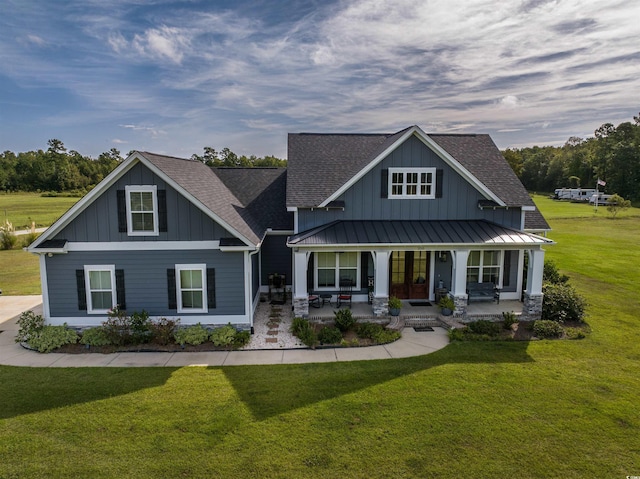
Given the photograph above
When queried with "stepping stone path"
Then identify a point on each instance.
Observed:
(274, 323)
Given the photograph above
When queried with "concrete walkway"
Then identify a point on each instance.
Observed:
(412, 343)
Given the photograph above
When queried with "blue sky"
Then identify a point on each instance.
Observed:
(174, 76)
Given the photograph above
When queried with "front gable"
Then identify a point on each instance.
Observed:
(449, 191)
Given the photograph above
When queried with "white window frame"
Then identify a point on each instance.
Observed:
(129, 189)
(406, 185)
(101, 267)
(481, 267)
(192, 267)
(356, 285)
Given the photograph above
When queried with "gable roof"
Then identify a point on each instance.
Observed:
(230, 205)
(338, 159)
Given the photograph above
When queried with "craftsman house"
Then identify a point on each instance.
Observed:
(405, 214)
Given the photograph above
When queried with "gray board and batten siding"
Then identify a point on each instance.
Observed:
(365, 201)
(99, 220)
(275, 257)
(145, 278)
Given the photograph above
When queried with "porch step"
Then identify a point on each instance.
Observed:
(396, 323)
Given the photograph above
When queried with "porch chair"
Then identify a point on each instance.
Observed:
(314, 300)
(346, 288)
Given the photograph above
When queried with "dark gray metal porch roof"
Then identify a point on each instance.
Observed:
(446, 233)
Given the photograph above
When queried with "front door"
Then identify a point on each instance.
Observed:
(409, 274)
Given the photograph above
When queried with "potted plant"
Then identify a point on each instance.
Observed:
(446, 305)
(394, 306)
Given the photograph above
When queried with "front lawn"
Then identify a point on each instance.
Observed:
(474, 409)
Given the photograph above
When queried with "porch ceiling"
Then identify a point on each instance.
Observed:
(432, 233)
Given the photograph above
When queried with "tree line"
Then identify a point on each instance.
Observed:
(611, 155)
(58, 170)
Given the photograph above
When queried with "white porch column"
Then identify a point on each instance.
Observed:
(300, 296)
(381, 286)
(532, 307)
(534, 273)
(459, 280)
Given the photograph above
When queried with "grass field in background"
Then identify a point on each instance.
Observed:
(553, 409)
(23, 208)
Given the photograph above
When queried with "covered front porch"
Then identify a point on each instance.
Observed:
(424, 310)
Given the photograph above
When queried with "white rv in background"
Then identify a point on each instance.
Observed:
(601, 198)
(574, 194)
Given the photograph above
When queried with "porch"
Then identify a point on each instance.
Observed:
(422, 311)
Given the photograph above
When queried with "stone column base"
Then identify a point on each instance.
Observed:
(460, 303)
(532, 307)
(301, 307)
(381, 306)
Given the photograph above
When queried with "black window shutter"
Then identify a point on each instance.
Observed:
(384, 185)
(211, 287)
(171, 289)
(364, 266)
(439, 175)
(122, 211)
(120, 295)
(162, 211)
(82, 290)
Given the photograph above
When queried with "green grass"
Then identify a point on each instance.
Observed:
(564, 409)
(23, 208)
(19, 273)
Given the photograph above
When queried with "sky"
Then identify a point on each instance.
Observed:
(174, 76)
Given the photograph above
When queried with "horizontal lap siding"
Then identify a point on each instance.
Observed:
(146, 279)
(99, 221)
(363, 200)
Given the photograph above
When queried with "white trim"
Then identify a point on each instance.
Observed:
(404, 195)
(422, 136)
(481, 267)
(143, 245)
(192, 267)
(89, 321)
(88, 269)
(46, 310)
(153, 189)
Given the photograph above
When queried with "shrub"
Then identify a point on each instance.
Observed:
(344, 320)
(329, 335)
(616, 204)
(8, 238)
(550, 273)
(194, 335)
(303, 329)
(241, 338)
(29, 238)
(52, 337)
(544, 328)
(386, 336)
(574, 333)
(395, 303)
(509, 319)
(456, 334)
(118, 327)
(140, 325)
(562, 303)
(94, 337)
(368, 330)
(223, 336)
(484, 327)
(163, 330)
(30, 325)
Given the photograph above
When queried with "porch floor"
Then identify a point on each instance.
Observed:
(475, 310)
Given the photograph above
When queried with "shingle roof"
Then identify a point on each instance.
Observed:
(202, 183)
(320, 164)
(445, 233)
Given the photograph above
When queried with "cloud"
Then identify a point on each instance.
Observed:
(153, 131)
(118, 141)
(36, 40)
(164, 42)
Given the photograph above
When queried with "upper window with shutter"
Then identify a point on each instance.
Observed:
(142, 210)
(411, 183)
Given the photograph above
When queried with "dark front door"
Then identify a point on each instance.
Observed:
(409, 274)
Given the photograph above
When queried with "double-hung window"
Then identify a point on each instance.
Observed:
(191, 288)
(332, 268)
(406, 183)
(484, 267)
(100, 286)
(142, 210)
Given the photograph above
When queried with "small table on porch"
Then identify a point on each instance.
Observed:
(326, 298)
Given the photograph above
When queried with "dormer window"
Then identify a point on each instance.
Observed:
(142, 210)
(407, 183)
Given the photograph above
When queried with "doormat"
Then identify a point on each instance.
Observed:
(422, 329)
(419, 303)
